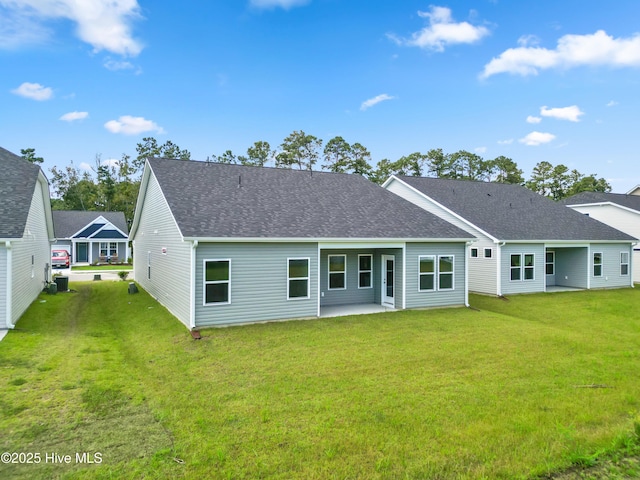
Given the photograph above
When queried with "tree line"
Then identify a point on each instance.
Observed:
(113, 186)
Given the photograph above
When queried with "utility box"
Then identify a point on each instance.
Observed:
(62, 283)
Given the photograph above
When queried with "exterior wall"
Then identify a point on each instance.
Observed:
(397, 296)
(624, 220)
(611, 277)
(572, 266)
(523, 286)
(415, 298)
(352, 295)
(258, 282)
(170, 278)
(482, 271)
(3, 287)
(94, 249)
(31, 255)
(63, 245)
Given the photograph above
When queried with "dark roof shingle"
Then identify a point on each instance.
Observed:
(69, 222)
(629, 201)
(513, 212)
(210, 200)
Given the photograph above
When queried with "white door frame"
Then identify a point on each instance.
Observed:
(384, 298)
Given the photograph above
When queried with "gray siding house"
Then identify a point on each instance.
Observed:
(527, 243)
(26, 232)
(229, 244)
(92, 236)
(617, 210)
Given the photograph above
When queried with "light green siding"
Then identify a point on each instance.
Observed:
(258, 283)
(611, 277)
(436, 298)
(523, 286)
(30, 255)
(158, 241)
(352, 294)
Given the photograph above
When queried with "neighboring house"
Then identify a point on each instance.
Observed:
(92, 236)
(229, 244)
(617, 210)
(26, 232)
(527, 243)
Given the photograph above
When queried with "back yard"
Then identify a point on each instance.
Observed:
(514, 389)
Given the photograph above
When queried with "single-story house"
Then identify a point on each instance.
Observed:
(615, 209)
(230, 244)
(26, 232)
(527, 242)
(92, 236)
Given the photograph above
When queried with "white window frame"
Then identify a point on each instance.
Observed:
(594, 265)
(622, 264)
(473, 253)
(370, 271)
(215, 282)
(113, 249)
(307, 278)
(522, 268)
(433, 274)
(517, 267)
(452, 273)
(341, 272)
(105, 249)
(490, 251)
(552, 262)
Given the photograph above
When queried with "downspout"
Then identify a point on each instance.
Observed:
(466, 273)
(404, 276)
(589, 270)
(8, 320)
(631, 264)
(319, 286)
(499, 246)
(192, 297)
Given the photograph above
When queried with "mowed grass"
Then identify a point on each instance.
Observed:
(97, 268)
(514, 389)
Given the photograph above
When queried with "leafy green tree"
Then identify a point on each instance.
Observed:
(468, 166)
(149, 148)
(439, 164)
(258, 155)
(337, 155)
(541, 178)
(360, 162)
(227, 157)
(589, 183)
(507, 171)
(29, 154)
(299, 149)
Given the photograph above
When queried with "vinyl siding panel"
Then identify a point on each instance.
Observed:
(621, 219)
(169, 281)
(3, 287)
(258, 289)
(30, 256)
(611, 277)
(572, 267)
(523, 286)
(352, 295)
(397, 253)
(437, 298)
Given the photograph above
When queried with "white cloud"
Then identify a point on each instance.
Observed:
(572, 113)
(115, 65)
(612, 103)
(481, 149)
(111, 162)
(537, 138)
(598, 49)
(442, 31)
(104, 24)
(532, 119)
(34, 91)
(129, 125)
(509, 141)
(85, 166)
(72, 116)
(375, 100)
(528, 41)
(285, 4)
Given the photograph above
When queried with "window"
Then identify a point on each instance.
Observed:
(217, 282)
(522, 266)
(445, 272)
(624, 263)
(529, 266)
(365, 263)
(488, 253)
(297, 278)
(474, 253)
(550, 263)
(515, 267)
(426, 273)
(597, 264)
(108, 249)
(337, 272)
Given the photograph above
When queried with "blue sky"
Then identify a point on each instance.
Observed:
(531, 80)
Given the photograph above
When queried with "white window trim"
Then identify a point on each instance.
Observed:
(627, 263)
(370, 271)
(471, 251)
(484, 253)
(532, 267)
(593, 264)
(452, 273)
(329, 272)
(553, 262)
(512, 268)
(522, 267)
(307, 278)
(214, 282)
(435, 273)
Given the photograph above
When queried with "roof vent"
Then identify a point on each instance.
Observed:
(239, 181)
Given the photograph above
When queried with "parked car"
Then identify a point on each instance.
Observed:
(60, 258)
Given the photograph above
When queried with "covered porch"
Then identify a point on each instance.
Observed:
(566, 267)
(344, 310)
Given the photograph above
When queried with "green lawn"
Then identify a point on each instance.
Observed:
(101, 267)
(511, 390)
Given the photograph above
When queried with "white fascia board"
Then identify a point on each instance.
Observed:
(46, 195)
(604, 204)
(97, 219)
(331, 242)
(108, 226)
(448, 210)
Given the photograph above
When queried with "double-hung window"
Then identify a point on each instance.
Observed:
(488, 252)
(474, 253)
(435, 273)
(217, 282)
(337, 272)
(522, 266)
(297, 278)
(365, 264)
(550, 263)
(597, 264)
(624, 263)
(445, 272)
(427, 273)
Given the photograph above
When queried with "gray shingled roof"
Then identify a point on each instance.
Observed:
(17, 185)
(629, 201)
(69, 222)
(216, 200)
(513, 212)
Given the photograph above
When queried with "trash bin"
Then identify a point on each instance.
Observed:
(62, 283)
(52, 289)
